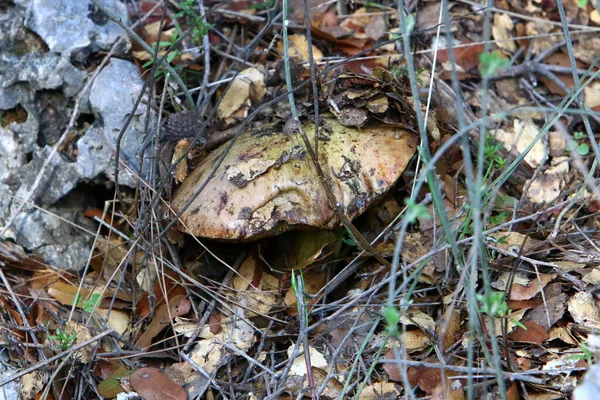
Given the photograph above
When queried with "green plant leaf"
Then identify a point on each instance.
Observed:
(519, 324)
(91, 303)
(583, 149)
(415, 211)
(492, 62)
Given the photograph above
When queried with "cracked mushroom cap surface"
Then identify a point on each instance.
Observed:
(267, 183)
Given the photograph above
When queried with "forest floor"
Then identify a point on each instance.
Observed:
(346, 200)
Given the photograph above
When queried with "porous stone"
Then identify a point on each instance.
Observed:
(75, 26)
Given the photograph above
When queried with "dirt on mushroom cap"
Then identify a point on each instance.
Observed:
(267, 183)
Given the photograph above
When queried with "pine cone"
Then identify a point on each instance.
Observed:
(182, 125)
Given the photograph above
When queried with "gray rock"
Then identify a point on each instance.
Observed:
(43, 84)
(60, 177)
(15, 38)
(9, 97)
(75, 26)
(112, 98)
(44, 71)
(61, 244)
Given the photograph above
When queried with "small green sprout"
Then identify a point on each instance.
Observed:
(492, 63)
(197, 23)
(493, 304)
(89, 304)
(586, 354)
(65, 341)
(415, 211)
(583, 149)
(392, 317)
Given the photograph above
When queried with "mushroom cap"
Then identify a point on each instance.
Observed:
(267, 183)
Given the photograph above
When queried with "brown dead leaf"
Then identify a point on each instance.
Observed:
(448, 331)
(333, 387)
(31, 385)
(118, 320)
(523, 363)
(247, 88)
(248, 274)
(298, 48)
(380, 390)
(152, 384)
(526, 292)
(548, 313)
(65, 293)
(415, 339)
(313, 282)
(522, 135)
(524, 304)
(181, 170)
(584, 309)
(414, 316)
(350, 46)
(502, 31)
(392, 370)
(430, 380)
(514, 241)
(513, 392)
(534, 334)
(178, 306)
(467, 57)
(255, 289)
(562, 333)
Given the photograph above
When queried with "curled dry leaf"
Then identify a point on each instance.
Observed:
(267, 183)
(502, 30)
(380, 390)
(31, 385)
(118, 320)
(152, 384)
(534, 333)
(522, 135)
(584, 309)
(254, 288)
(536, 285)
(247, 88)
(317, 360)
(414, 316)
(298, 48)
(415, 340)
(178, 305)
(81, 333)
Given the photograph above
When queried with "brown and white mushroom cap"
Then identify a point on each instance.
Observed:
(267, 183)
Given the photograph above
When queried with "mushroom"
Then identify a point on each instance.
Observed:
(267, 183)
